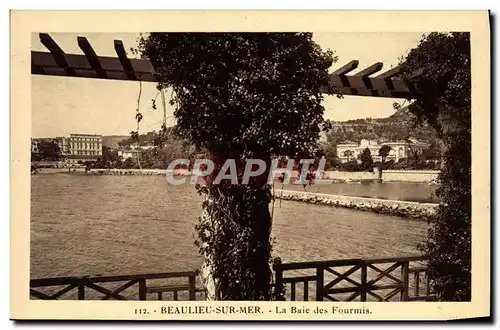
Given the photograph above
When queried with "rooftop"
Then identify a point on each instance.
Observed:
(84, 134)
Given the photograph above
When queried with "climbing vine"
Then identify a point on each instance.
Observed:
(138, 118)
(241, 96)
(443, 59)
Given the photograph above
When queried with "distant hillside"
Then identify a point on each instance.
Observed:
(402, 115)
(399, 126)
(111, 141)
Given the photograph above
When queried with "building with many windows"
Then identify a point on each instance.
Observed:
(77, 148)
(81, 147)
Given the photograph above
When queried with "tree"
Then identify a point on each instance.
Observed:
(328, 150)
(35, 156)
(368, 136)
(366, 159)
(109, 156)
(416, 161)
(129, 163)
(241, 96)
(445, 104)
(383, 152)
(49, 150)
(348, 154)
(433, 152)
(118, 163)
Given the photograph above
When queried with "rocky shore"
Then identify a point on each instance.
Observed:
(130, 172)
(414, 210)
(111, 171)
(429, 177)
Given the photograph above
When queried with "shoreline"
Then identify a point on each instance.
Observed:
(405, 209)
(133, 171)
(424, 176)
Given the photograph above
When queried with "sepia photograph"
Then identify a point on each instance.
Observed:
(300, 166)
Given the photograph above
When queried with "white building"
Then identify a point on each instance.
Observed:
(77, 148)
(135, 146)
(347, 151)
(399, 149)
(126, 154)
(81, 147)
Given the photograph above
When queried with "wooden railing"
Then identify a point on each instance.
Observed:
(137, 286)
(389, 279)
(354, 279)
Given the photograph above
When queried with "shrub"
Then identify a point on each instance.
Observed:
(445, 103)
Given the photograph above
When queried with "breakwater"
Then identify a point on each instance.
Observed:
(111, 171)
(414, 210)
(426, 176)
(114, 171)
(337, 176)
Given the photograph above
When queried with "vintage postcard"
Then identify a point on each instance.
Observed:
(239, 165)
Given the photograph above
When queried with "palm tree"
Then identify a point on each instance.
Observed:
(348, 154)
(383, 153)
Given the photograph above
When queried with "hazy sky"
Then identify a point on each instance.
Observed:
(62, 105)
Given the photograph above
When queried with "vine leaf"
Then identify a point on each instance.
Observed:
(138, 117)
(134, 135)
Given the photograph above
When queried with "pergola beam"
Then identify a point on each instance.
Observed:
(94, 62)
(126, 64)
(57, 53)
(346, 68)
(385, 79)
(362, 80)
(90, 65)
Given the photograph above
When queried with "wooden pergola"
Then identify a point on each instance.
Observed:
(56, 62)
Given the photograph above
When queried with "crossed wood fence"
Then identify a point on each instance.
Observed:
(390, 279)
(355, 279)
(137, 287)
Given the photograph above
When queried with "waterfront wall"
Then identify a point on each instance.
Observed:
(350, 176)
(421, 211)
(410, 176)
(387, 175)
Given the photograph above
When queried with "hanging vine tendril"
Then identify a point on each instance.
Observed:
(138, 118)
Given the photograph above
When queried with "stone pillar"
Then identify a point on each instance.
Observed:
(378, 172)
